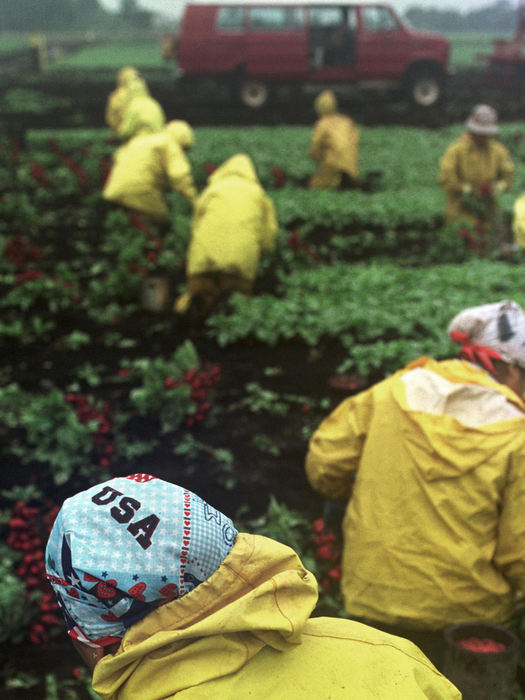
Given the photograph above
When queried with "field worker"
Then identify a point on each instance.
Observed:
(147, 166)
(118, 99)
(334, 144)
(234, 222)
(142, 113)
(432, 464)
(475, 169)
(161, 595)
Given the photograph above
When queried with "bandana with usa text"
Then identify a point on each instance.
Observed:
(124, 547)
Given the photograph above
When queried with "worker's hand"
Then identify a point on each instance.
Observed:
(500, 186)
(466, 188)
(486, 189)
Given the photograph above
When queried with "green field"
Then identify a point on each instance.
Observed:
(146, 54)
(465, 48)
(8, 45)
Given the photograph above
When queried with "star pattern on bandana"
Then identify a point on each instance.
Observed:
(128, 560)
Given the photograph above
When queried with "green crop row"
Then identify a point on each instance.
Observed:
(383, 314)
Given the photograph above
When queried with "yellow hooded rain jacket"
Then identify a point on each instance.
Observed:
(518, 221)
(434, 532)
(464, 162)
(119, 98)
(147, 166)
(233, 222)
(334, 144)
(245, 633)
(142, 114)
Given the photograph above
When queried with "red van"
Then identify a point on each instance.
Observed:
(258, 45)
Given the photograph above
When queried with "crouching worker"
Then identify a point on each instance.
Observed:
(475, 170)
(335, 145)
(118, 99)
(148, 166)
(186, 604)
(434, 531)
(234, 222)
(142, 113)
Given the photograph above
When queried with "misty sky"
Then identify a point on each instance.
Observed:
(172, 7)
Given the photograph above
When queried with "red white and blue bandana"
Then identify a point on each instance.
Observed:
(124, 547)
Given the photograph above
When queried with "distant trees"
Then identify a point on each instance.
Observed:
(500, 17)
(133, 15)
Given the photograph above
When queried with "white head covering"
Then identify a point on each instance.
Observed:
(498, 327)
(483, 120)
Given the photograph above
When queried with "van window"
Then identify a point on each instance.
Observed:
(275, 19)
(378, 19)
(326, 16)
(230, 18)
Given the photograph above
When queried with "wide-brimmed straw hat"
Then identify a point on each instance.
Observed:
(483, 120)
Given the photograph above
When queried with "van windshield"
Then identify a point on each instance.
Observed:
(379, 19)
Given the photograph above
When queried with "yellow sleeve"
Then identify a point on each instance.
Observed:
(129, 124)
(178, 171)
(109, 115)
(518, 221)
(506, 167)
(335, 449)
(269, 226)
(448, 177)
(316, 145)
(509, 556)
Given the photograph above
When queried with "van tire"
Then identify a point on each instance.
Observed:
(254, 93)
(425, 88)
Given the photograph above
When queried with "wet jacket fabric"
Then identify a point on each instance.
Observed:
(234, 222)
(115, 107)
(464, 162)
(119, 98)
(146, 167)
(142, 115)
(434, 532)
(246, 632)
(518, 221)
(335, 145)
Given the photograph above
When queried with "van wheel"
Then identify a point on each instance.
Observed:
(425, 89)
(253, 93)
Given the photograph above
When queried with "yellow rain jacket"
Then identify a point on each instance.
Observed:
(119, 98)
(147, 166)
(334, 144)
(518, 221)
(142, 114)
(434, 532)
(233, 223)
(464, 162)
(245, 633)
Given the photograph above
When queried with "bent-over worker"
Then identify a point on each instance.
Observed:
(431, 463)
(148, 166)
(234, 223)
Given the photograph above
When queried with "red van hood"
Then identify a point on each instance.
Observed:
(428, 36)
